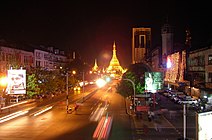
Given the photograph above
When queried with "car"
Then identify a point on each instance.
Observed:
(77, 88)
(14, 100)
(189, 101)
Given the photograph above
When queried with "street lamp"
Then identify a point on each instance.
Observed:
(184, 121)
(3, 83)
(133, 91)
(67, 102)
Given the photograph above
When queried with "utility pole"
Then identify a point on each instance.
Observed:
(67, 104)
(184, 121)
(83, 86)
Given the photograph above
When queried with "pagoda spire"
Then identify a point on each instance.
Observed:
(114, 51)
(114, 63)
(95, 67)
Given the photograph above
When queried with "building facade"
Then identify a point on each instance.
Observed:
(15, 58)
(49, 58)
(141, 44)
(200, 67)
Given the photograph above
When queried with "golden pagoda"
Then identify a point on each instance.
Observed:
(95, 67)
(114, 66)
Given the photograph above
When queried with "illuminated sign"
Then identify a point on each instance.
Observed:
(16, 82)
(153, 81)
(204, 126)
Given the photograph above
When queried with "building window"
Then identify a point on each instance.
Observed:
(25, 60)
(210, 77)
(209, 59)
(38, 63)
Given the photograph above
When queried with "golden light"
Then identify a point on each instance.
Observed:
(3, 81)
(178, 64)
(73, 72)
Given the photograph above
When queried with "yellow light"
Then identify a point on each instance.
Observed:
(73, 72)
(3, 81)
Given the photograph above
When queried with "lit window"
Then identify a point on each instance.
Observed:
(209, 59)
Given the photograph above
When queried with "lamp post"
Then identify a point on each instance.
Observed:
(133, 92)
(184, 121)
(83, 86)
(67, 104)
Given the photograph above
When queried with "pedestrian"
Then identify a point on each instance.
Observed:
(156, 126)
(76, 107)
(159, 127)
(149, 117)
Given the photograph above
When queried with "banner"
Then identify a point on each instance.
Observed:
(16, 82)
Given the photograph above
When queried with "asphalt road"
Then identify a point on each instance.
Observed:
(79, 124)
(56, 124)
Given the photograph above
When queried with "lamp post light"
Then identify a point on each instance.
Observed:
(3, 84)
(133, 92)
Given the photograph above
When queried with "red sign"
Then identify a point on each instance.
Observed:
(142, 108)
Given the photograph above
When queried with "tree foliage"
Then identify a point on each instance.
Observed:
(136, 75)
(32, 85)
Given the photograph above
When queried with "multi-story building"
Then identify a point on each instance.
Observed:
(200, 72)
(16, 58)
(141, 44)
(49, 58)
(200, 67)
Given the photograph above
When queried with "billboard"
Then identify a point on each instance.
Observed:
(153, 81)
(16, 82)
(204, 126)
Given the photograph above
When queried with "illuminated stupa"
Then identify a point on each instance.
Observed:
(95, 67)
(114, 66)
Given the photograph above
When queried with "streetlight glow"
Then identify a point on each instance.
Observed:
(3, 81)
(100, 83)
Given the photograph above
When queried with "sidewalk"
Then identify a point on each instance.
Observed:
(146, 129)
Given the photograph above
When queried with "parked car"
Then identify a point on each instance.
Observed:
(14, 100)
(188, 101)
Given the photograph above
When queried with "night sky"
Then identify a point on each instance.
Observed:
(91, 27)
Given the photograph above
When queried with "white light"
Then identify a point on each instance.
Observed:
(205, 96)
(100, 83)
(169, 64)
(12, 116)
(42, 111)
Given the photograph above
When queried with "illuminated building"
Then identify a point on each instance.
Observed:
(176, 65)
(95, 67)
(114, 66)
(141, 43)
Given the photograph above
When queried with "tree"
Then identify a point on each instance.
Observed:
(125, 88)
(136, 74)
(32, 85)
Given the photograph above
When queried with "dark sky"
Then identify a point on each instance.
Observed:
(91, 27)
